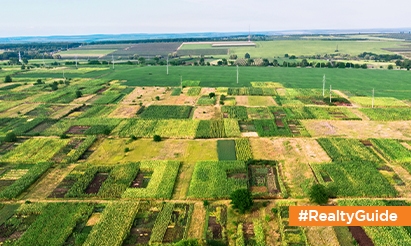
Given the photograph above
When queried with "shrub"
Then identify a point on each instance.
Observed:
(8, 79)
(10, 137)
(157, 138)
(64, 136)
(205, 203)
(211, 94)
(79, 94)
(126, 150)
(242, 200)
(318, 194)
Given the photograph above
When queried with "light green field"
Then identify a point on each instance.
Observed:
(270, 49)
(111, 151)
(379, 101)
(85, 52)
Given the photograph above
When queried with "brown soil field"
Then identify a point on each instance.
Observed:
(359, 129)
(207, 112)
(124, 111)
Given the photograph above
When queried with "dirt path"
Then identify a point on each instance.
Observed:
(47, 184)
(360, 114)
(406, 145)
(405, 191)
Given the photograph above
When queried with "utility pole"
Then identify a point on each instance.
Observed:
(237, 73)
(324, 85)
(330, 93)
(372, 97)
(167, 65)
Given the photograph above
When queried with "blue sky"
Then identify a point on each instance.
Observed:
(70, 17)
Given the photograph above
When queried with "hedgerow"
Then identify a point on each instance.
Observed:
(162, 180)
(210, 179)
(114, 224)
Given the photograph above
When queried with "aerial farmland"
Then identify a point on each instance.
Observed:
(203, 140)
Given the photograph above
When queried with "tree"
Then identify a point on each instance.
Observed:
(242, 200)
(390, 67)
(157, 98)
(292, 57)
(233, 57)
(10, 137)
(156, 138)
(79, 94)
(8, 79)
(247, 56)
(341, 65)
(211, 94)
(142, 60)
(54, 86)
(25, 61)
(286, 55)
(220, 63)
(318, 194)
(188, 242)
(23, 67)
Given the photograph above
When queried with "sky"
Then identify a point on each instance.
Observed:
(82, 17)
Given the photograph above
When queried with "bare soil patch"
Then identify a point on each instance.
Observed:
(78, 130)
(360, 236)
(241, 100)
(124, 111)
(207, 113)
(95, 185)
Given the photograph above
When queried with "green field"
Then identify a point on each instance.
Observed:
(340, 79)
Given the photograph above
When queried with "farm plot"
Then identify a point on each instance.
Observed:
(35, 150)
(264, 179)
(161, 183)
(278, 127)
(379, 102)
(382, 235)
(290, 235)
(207, 113)
(124, 111)
(214, 179)
(354, 179)
(20, 177)
(51, 111)
(358, 129)
(335, 113)
(114, 224)
(252, 91)
(206, 101)
(393, 150)
(18, 110)
(166, 112)
(258, 113)
(9, 96)
(346, 149)
(226, 150)
(170, 128)
(387, 114)
(93, 111)
(10, 124)
(104, 181)
(293, 155)
(83, 126)
(216, 223)
(234, 112)
(217, 129)
(145, 95)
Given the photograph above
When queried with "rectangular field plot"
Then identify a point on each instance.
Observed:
(217, 222)
(264, 179)
(51, 111)
(258, 113)
(252, 91)
(393, 150)
(346, 149)
(162, 180)
(379, 102)
(206, 101)
(234, 112)
(35, 150)
(354, 179)
(334, 113)
(166, 112)
(83, 126)
(226, 150)
(387, 114)
(170, 128)
(217, 179)
(111, 151)
(124, 111)
(218, 129)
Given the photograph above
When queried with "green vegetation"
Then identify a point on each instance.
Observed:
(114, 224)
(387, 114)
(226, 150)
(234, 112)
(242, 200)
(166, 112)
(242, 149)
(161, 183)
(318, 194)
(213, 179)
(194, 91)
(393, 150)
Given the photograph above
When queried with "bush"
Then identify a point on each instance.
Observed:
(205, 203)
(242, 200)
(157, 138)
(8, 79)
(10, 137)
(79, 94)
(64, 136)
(126, 150)
(318, 194)
(211, 94)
